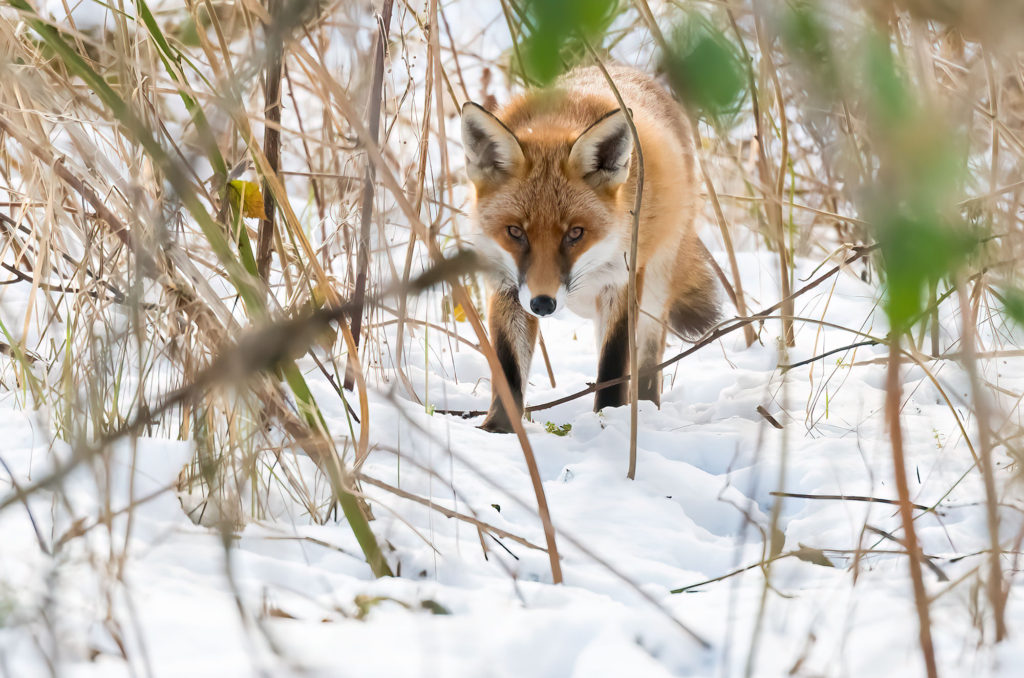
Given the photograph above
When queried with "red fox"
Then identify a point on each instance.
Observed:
(554, 173)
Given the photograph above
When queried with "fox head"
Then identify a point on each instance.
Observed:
(549, 204)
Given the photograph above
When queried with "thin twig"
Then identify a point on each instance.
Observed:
(850, 347)
(366, 211)
(846, 497)
(486, 527)
(632, 302)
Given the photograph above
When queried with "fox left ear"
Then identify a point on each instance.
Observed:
(601, 155)
(492, 152)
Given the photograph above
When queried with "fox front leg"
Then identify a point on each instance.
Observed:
(513, 333)
(613, 343)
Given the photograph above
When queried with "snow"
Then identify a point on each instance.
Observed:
(698, 509)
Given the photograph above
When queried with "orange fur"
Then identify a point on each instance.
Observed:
(555, 163)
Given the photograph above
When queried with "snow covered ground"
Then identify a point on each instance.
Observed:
(156, 587)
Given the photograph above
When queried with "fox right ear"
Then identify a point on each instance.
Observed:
(492, 151)
(601, 155)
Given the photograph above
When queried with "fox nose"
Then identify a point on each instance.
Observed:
(542, 305)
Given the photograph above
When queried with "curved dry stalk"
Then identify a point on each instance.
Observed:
(774, 207)
(509, 403)
(479, 524)
(736, 290)
(363, 445)
(632, 303)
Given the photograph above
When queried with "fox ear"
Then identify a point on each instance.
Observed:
(492, 151)
(601, 155)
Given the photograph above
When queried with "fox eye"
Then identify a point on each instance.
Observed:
(574, 234)
(515, 233)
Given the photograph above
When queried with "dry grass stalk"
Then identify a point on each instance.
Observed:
(995, 587)
(271, 132)
(366, 214)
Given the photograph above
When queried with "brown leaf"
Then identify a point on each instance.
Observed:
(812, 555)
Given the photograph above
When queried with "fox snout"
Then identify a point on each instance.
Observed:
(543, 304)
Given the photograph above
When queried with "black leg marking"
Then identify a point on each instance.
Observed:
(649, 387)
(513, 334)
(614, 363)
(498, 419)
(650, 384)
(510, 366)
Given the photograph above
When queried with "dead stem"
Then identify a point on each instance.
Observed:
(995, 586)
(271, 133)
(366, 214)
(632, 301)
(893, 397)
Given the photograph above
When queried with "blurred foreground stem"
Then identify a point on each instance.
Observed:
(893, 396)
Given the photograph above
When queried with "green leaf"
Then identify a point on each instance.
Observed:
(812, 555)
(557, 430)
(888, 92)
(806, 37)
(704, 69)
(916, 249)
(553, 31)
(1013, 302)
(912, 201)
(434, 607)
(187, 33)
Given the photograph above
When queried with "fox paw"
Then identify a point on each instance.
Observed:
(496, 422)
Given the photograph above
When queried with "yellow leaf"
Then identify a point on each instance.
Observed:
(246, 198)
(459, 313)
